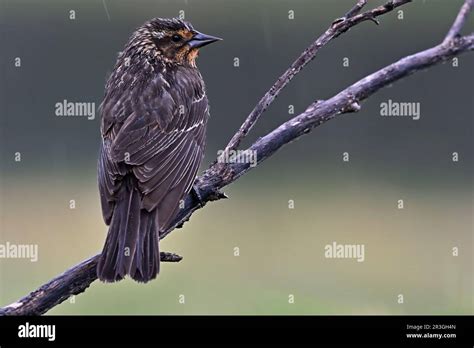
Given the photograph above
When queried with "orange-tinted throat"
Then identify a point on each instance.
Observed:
(192, 55)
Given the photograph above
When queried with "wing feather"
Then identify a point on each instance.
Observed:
(157, 134)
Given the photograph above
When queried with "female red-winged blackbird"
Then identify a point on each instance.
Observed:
(154, 117)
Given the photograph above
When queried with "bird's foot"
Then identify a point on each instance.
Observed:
(197, 194)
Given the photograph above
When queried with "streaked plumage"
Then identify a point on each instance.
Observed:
(154, 117)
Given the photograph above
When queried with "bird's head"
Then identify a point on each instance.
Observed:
(173, 40)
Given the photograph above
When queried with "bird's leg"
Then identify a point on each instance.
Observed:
(197, 195)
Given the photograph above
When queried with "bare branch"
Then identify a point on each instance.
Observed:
(207, 186)
(338, 27)
(72, 282)
(460, 20)
(356, 9)
(347, 100)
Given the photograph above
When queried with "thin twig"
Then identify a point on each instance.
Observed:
(339, 26)
(461, 18)
(356, 9)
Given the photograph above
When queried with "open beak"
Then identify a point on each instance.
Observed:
(200, 40)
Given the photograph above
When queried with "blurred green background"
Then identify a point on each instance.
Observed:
(407, 251)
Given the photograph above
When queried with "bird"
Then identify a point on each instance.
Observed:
(153, 127)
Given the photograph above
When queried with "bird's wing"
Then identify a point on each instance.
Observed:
(157, 134)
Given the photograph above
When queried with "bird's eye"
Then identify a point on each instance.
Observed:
(176, 38)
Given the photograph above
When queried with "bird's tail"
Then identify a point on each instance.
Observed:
(131, 246)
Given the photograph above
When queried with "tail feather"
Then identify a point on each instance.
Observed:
(131, 246)
(146, 259)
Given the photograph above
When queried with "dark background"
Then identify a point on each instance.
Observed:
(408, 251)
